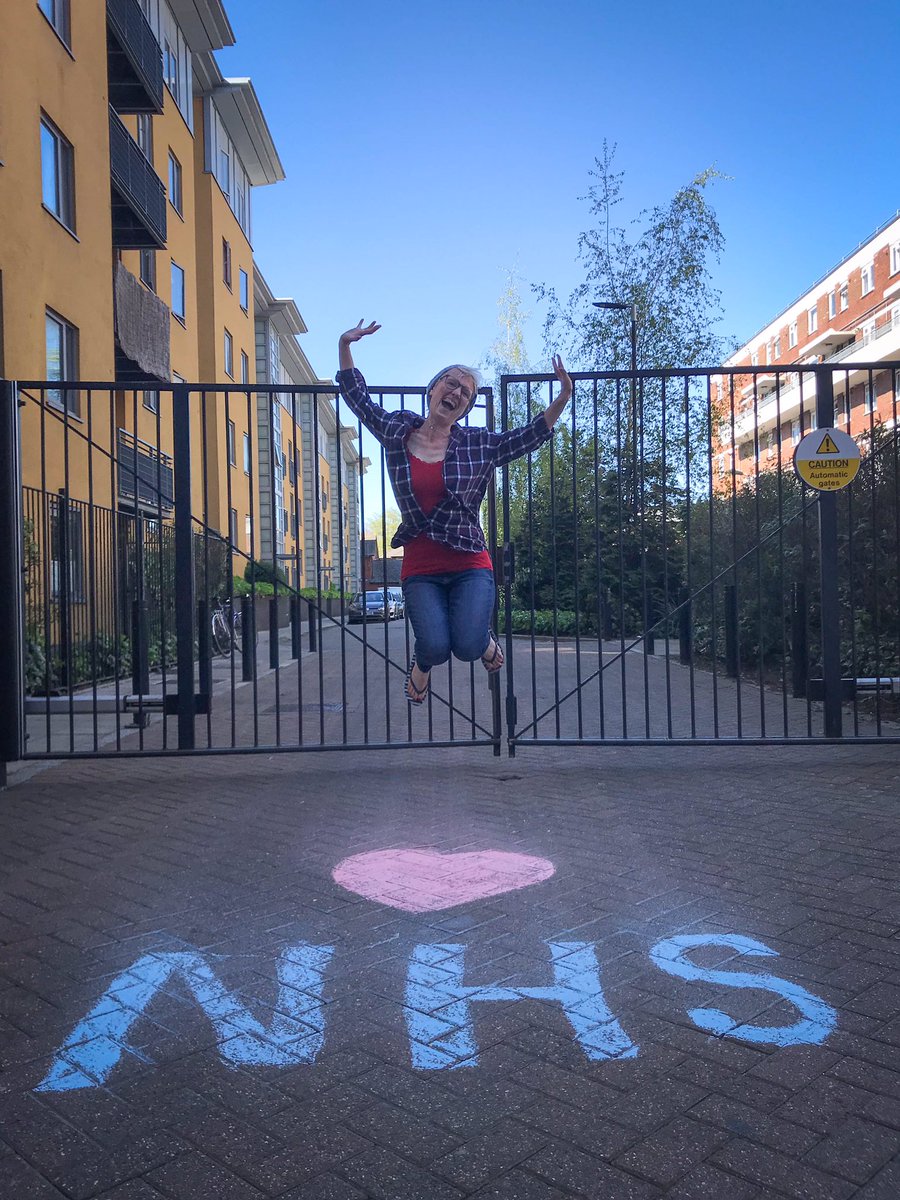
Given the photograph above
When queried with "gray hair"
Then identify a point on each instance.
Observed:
(473, 373)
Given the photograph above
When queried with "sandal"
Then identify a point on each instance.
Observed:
(493, 662)
(413, 694)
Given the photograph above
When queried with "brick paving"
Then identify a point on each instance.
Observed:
(225, 864)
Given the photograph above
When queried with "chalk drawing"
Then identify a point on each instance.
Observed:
(295, 1035)
(438, 1012)
(427, 881)
(818, 1020)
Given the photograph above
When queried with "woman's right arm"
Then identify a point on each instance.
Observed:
(353, 386)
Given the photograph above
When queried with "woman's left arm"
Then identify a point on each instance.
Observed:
(516, 442)
(554, 410)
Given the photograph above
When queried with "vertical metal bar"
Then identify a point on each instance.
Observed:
(493, 681)
(338, 513)
(119, 614)
(276, 496)
(733, 667)
(248, 639)
(621, 539)
(248, 419)
(555, 584)
(92, 566)
(599, 486)
(204, 652)
(506, 579)
(640, 482)
(665, 551)
(828, 571)
(760, 637)
(686, 641)
(782, 589)
(531, 572)
(184, 567)
(876, 591)
(12, 647)
(799, 651)
(713, 509)
(576, 556)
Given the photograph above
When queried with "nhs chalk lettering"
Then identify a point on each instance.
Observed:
(440, 1007)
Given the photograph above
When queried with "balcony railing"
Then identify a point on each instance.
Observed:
(134, 59)
(155, 477)
(138, 193)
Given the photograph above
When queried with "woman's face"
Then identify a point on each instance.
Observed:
(452, 395)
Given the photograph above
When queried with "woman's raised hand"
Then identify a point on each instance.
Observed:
(565, 383)
(359, 331)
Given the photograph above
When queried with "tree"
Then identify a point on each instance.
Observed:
(381, 527)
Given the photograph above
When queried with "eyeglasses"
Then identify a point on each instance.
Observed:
(452, 384)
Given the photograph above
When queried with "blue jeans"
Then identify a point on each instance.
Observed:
(450, 614)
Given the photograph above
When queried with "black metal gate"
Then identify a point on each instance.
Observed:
(178, 567)
(673, 581)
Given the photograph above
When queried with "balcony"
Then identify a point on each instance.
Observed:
(134, 59)
(138, 193)
(155, 477)
(142, 331)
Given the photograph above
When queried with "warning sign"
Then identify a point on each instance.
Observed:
(827, 459)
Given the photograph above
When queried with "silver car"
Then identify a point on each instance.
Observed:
(368, 606)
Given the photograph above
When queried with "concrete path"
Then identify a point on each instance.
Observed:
(434, 974)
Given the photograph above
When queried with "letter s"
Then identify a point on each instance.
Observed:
(818, 1020)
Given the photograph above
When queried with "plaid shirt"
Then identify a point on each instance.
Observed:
(472, 456)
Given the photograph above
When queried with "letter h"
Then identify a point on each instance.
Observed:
(438, 1012)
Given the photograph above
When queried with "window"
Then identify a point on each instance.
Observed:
(245, 368)
(145, 135)
(795, 431)
(178, 292)
(895, 316)
(176, 198)
(244, 285)
(792, 334)
(754, 359)
(148, 269)
(171, 67)
(292, 464)
(895, 258)
(231, 458)
(812, 319)
(151, 401)
(284, 518)
(57, 13)
(867, 278)
(248, 531)
(62, 361)
(229, 355)
(324, 495)
(325, 542)
(868, 399)
(232, 526)
(778, 347)
(293, 524)
(226, 262)
(832, 306)
(769, 353)
(57, 174)
(845, 296)
(246, 453)
(868, 331)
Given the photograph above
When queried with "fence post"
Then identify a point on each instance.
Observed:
(12, 649)
(312, 625)
(273, 632)
(828, 572)
(204, 649)
(295, 627)
(248, 639)
(799, 649)
(731, 631)
(184, 566)
(685, 630)
(140, 659)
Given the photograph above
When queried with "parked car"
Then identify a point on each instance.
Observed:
(395, 595)
(368, 606)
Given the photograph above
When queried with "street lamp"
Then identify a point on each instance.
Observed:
(631, 309)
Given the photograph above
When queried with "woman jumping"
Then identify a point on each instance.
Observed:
(440, 471)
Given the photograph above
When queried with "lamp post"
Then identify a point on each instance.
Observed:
(631, 309)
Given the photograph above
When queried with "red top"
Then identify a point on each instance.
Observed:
(423, 555)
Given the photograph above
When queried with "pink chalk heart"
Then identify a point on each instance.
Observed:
(428, 881)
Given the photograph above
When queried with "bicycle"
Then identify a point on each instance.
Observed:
(228, 627)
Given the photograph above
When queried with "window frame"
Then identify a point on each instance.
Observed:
(844, 295)
(244, 289)
(812, 319)
(176, 184)
(245, 367)
(226, 263)
(228, 349)
(62, 206)
(867, 274)
(230, 439)
(792, 335)
(59, 19)
(64, 399)
(148, 278)
(247, 454)
(179, 315)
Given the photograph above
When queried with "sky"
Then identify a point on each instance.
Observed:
(431, 149)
